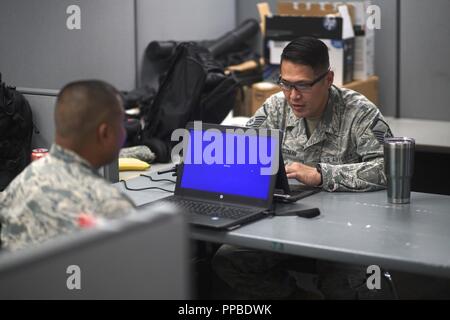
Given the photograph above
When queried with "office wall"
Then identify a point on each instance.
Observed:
(37, 50)
(425, 59)
(246, 9)
(386, 56)
(182, 20)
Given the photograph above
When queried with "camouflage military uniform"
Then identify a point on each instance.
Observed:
(348, 141)
(46, 199)
(348, 144)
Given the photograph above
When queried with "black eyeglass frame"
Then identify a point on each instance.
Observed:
(300, 86)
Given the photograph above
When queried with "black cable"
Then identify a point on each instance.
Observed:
(147, 188)
(173, 169)
(156, 180)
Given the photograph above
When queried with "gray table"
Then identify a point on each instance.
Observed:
(360, 228)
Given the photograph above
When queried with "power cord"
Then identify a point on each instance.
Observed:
(156, 180)
(147, 188)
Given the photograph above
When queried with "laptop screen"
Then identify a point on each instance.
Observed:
(238, 162)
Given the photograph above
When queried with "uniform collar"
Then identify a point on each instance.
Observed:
(68, 156)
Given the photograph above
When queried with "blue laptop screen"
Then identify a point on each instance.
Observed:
(229, 163)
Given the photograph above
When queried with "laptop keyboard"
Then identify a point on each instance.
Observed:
(210, 209)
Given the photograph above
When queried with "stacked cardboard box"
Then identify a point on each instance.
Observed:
(292, 17)
(364, 61)
(333, 27)
(367, 87)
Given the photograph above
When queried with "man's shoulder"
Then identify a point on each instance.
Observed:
(268, 115)
(355, 107)
(275, 102)
(53, 172)
(26, 179)
(53, 179)
(359, 114)
(355, 101)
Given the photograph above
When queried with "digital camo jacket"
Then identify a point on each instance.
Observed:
(348, 140)
(47, 198)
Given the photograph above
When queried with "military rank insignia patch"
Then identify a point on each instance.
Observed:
(256, 122)
(380, 129)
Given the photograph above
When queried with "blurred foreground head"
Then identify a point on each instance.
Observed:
(89, 120)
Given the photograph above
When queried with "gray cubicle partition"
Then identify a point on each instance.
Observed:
(144, 256)
(42, 103)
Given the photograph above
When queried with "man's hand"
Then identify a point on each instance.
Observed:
(303, 173)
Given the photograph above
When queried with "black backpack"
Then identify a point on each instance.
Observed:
(16, 130)
(191, 86)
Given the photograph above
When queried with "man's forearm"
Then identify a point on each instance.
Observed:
(362, 176)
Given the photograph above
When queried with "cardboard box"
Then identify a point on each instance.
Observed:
(260, 91)
(364, 46)
(336, 31)
(367, 87)
(364, 60)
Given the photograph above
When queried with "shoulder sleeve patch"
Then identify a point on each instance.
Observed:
(256, 121)
(380, 129)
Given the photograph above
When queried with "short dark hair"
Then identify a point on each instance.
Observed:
(82, 105)
(307, 51)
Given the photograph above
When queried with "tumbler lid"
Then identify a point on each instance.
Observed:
(393, 141)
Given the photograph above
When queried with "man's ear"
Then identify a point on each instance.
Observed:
(103, 133)
(330, 78)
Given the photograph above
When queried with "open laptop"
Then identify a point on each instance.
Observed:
(227, 176)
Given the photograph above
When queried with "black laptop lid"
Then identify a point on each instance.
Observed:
(282, 182)
(229, 164)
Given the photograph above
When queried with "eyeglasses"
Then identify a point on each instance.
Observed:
(300, 86)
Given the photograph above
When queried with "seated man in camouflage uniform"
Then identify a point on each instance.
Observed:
(47, 198)
(332, 138)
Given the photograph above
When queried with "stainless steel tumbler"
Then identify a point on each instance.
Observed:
(399, 168)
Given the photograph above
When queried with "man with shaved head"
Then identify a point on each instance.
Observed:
(55, 194)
